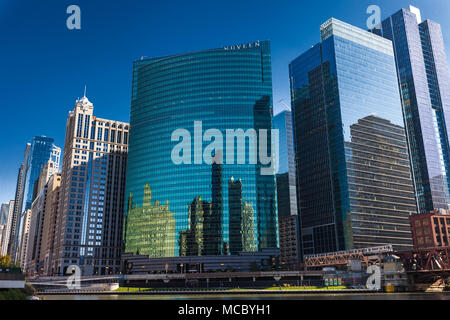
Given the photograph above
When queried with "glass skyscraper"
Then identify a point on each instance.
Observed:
(37, 154)
(353, 174)
(42, 150)
(425, 91)
(208, 207)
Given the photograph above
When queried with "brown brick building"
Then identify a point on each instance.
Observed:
(431, 230)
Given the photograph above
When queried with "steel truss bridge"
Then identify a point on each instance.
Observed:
(423, 265)
(341, 258)
(427, 265)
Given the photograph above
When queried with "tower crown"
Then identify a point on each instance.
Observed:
(84, 103)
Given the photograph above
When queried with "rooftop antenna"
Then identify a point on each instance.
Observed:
(85, 91)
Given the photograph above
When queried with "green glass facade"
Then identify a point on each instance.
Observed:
(226, 89)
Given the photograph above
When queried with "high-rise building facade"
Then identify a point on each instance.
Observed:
(35, 232)
(42, 150)
(289, 228)
(90, 213)
(353, 173)
(37, 154)
(424, 82)
(4, 212)
(37, 217)
(206, 201)
(49, 228)
(13, 243)
(25, 239)
(2, 234)
(7, 229)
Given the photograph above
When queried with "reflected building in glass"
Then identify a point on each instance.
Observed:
(218, 208)
(289, 228)
(151, 222)
(353, 174)
(424, 83)
(286, 172)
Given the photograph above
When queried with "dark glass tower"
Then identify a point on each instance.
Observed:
(425, 91)
(353, 175)
(225, 89)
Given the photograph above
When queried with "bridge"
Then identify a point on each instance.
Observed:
(427, 265)
(341, 258)
(423, 266)
(426, 260)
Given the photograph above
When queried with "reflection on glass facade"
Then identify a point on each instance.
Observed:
(424, 86)
(241, 219)
(150, 223)
(286, 188)
(226, 88)
(354, 184)
(289, 229)
(380, 186)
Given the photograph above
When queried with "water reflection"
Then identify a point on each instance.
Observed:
(368, 296)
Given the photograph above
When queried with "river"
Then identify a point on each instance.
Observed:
(351, 296)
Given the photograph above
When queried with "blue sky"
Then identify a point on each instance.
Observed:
(44, 66)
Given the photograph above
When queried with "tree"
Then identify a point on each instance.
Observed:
(5, 261)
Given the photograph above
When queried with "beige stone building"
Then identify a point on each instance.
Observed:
(91, 205)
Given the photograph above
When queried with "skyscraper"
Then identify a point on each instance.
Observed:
(4, 213)
(290, 246)
(42, 150)
(2, 234)
(25, 239)
(223, 89)
(424, 83)
(353, 174)
(37, 154)
(49, 229)
(38, 214)
(7, 229)
(13, 242)
(90, 214)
